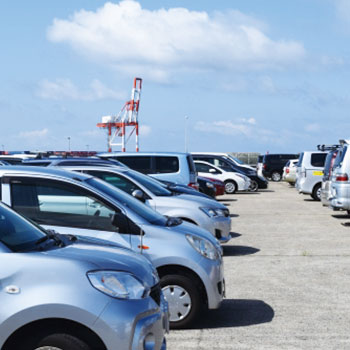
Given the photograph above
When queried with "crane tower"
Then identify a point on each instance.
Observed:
(116, 126)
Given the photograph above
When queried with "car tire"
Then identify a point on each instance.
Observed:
(61, 341)
(316, 193)
(276, 176)
(184, 300)
(230, 187)
(253, 186)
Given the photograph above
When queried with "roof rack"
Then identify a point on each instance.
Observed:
(327, 147)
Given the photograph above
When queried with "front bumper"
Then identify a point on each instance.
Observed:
(261, 181)
(220, 227)
(136, 325)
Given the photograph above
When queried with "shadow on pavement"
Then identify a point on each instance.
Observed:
(234, 215)
(227, 200)
(247, 193)
(262, 191)
(235, 234)
(341, 216)
(236, 313)
(310, 200)
(239, 250)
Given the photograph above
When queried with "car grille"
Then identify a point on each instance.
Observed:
(156, 293)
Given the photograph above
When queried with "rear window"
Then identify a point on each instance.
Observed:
(318, 159)
(139, 163)
(165, 165)
(340, 157)
(300, 159)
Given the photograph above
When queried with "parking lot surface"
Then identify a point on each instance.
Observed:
(287, 273)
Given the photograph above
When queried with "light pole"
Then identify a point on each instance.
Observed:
(186, 141)
(68, 138)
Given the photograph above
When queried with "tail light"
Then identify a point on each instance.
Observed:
(287, 171)
(342, 177)
(264, 166)
(194, 185)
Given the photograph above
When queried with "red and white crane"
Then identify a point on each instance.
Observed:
(127, 118)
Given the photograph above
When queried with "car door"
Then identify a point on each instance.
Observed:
(64, 207)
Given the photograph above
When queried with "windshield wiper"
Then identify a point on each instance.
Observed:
(53, 235)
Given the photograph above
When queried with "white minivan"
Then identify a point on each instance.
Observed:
(310, 173)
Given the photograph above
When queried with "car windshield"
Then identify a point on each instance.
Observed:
(16, 233)
(235, 159)
(129, 201)
(151, 184)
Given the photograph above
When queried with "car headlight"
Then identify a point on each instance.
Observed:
(215, 211)
(203, 247)
(118, 284)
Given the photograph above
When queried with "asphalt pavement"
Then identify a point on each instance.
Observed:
(287, 274)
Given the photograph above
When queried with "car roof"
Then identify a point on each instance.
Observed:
(52, 172)
(142, 154)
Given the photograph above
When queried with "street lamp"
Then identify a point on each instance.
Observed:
(186, 141)
(68, 138)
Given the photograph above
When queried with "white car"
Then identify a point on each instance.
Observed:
(290, 171)
(233, 181)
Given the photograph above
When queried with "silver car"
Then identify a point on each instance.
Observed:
(340, 182)
(204, 212)
(187, 258)
(68, 293)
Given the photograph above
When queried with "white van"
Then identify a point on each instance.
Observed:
(310, 173)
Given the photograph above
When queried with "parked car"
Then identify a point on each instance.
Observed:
(226, 162)
(168, 166)
(73, 293)
(206, 186)
(273, 164)
(233, 181)
(182, 189)
(290, 172)
(204, 212)
(310, 172)
(3, 162)
(340, 182)
(187, 258)
(219, 186)
(326, 179)
(259, 165)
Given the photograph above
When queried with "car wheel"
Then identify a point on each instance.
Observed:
(230, 187)
(316, 193)
(253, 186)
(276, 176)
(183, 298)
(61, 341)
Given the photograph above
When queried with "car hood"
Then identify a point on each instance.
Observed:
(187, 200)
(107, 256)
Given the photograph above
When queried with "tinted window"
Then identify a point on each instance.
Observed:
(139, 163)
(17, 233)
(36, 163)
(340, 156)
(318, 159)
(53, 203)
(328, 164)
(166, 165)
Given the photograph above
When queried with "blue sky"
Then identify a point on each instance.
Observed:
(251, 76)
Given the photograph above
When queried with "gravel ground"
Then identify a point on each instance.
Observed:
(287, 274)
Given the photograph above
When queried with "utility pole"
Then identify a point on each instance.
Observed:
(186, 131)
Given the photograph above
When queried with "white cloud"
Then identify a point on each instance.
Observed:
(62, 89)
(313, 127)
(160, 42)
(225, 127)
(145, 130)
(34, 134)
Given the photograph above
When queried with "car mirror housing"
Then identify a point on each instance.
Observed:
(138, 194)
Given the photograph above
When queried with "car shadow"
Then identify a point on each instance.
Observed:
(238, 250)
(236, 313)
(262, 191)
(310, 200)
(235, 234)
(341, 216)
(247, 193)
(234, 215)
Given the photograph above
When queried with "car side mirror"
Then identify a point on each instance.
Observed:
(212, 171)
(121, 222)
(138, 194)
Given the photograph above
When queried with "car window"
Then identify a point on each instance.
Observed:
(222, 163)
(165, 165)
(318, 159)
(16, 233)
(205, 168)
(55, 203)
(139, 163)
(116, 180)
